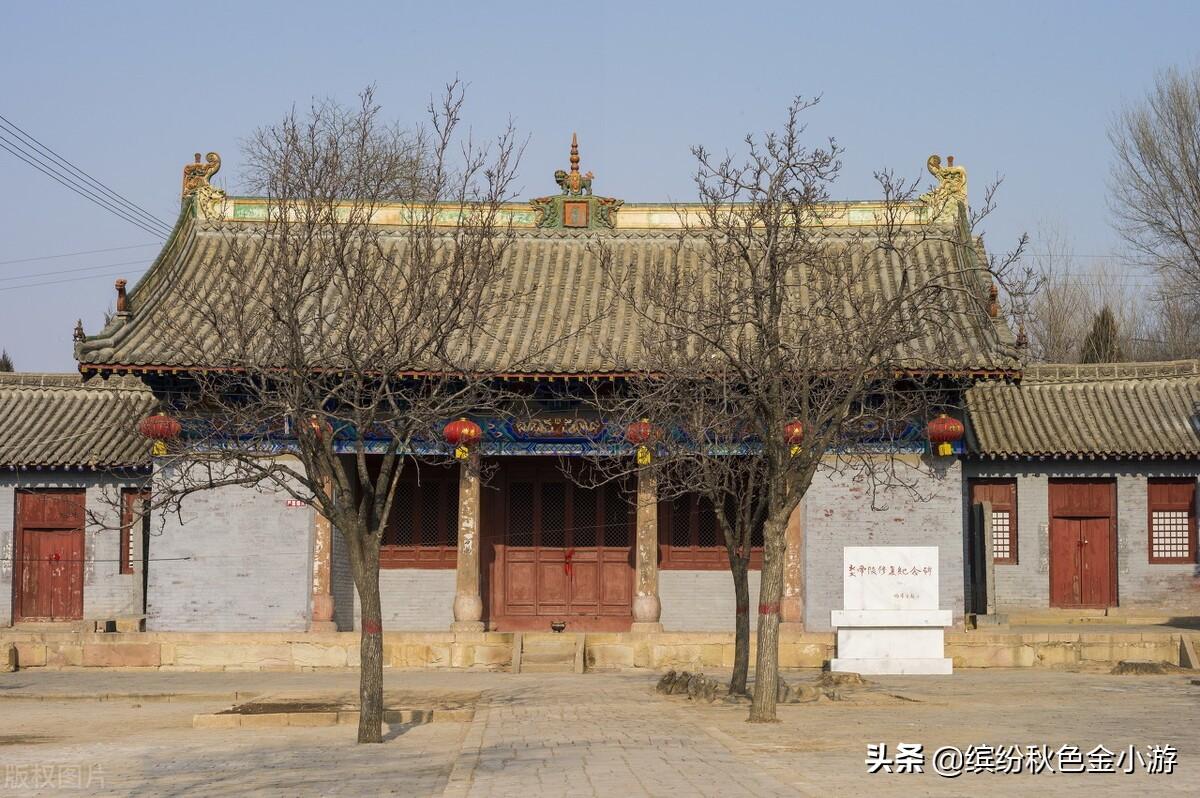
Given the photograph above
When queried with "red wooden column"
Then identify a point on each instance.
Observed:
(322, 580)
(647, 607)
(468, 603)
(791, 609)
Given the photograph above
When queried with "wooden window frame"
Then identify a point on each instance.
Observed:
(1189, 507)
(128, 497)
(1012, 508)
(443, 554)
(693, 557)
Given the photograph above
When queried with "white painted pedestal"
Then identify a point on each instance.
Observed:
(891, 623)
(891, 641)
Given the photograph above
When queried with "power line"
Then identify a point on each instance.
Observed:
(132, 206)
(70, 271)
(64, 280)
(81, 252)
(43, 164)
(66, 182)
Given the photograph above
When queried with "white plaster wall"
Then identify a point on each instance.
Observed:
(838, 512)
(237, 559)
(107, 593)
(7, 522)
(701, 601)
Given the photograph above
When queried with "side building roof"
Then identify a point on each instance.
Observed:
(61, 421)
(1085, 411)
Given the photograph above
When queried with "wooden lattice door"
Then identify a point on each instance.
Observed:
(561, 552)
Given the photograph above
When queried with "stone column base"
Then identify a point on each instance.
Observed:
(788, 628)
(322, 626)
(643, 627)
(467, 626)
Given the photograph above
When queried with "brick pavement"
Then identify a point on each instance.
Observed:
(597, 734)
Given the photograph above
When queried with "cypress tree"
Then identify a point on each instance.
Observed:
(1103, 342)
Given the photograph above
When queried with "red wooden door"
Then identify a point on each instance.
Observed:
(49, 556)
(559, 552)
(1082, 544)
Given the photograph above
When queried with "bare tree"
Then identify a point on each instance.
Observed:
(775, 346)
(1155, 181)
(333, 340)
(1058, 310)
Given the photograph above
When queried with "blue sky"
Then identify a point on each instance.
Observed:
(128, 91)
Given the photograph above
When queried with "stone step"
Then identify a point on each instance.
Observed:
(547, 667)
(536, 652)
(540, 656)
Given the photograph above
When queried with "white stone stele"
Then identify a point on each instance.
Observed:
(890, 623)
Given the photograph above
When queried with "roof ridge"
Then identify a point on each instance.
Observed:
(69, 381)
(1049, 373)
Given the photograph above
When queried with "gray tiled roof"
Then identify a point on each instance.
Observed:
(552, 323)
(59, 421)
(1087, 411)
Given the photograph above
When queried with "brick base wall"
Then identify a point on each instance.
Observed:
(700, 601)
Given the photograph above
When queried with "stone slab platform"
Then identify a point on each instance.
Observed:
(492, 651)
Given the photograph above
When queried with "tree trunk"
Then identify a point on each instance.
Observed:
(370, 686)
(741, 634)
(766, 670)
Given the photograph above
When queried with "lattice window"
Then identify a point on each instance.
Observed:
(584, 523)
(399, 531)
(520, 514)
(708, 528)
(616, 516)
(1002, 535)
(1170, 534)
(422, 529)
(1171, 503)
(554, 514)
(451, 513)
(691, 536)
(1002, 495)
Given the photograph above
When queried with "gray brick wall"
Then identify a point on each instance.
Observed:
(415, 599)
(1026, 583)
(341, 585)
(838, 513)
(107, 593)
(241, 560)
(700, 601)
(1140, 584)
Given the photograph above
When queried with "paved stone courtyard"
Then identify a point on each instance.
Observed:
(598, 734)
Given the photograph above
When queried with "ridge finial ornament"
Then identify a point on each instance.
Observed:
(952, 180)
(209, 200)
(198, 174)
(574, 183)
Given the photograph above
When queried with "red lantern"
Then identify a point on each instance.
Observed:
(793, 435)
(462, 435)
(640, 433)
(319, 428)
(160, 428)
(943, 431)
